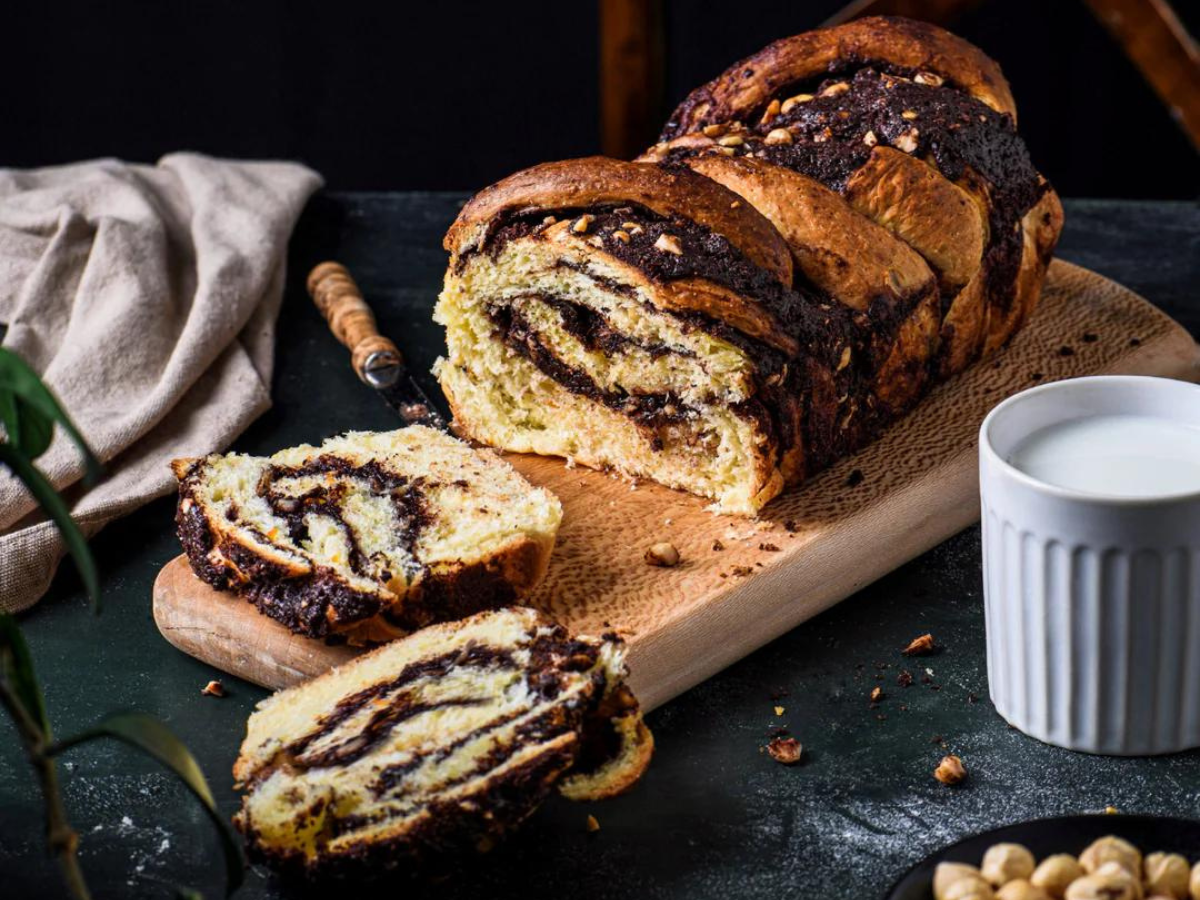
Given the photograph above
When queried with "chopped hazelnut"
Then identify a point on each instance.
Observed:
(662, 554)
(1055, 874)
(779, 710)
(583, 223)
(785, 750)
(668, 243)
(907, 141)
(622, 236)
(792, 101)
(928, 78)
(771, 111)
(921, 646)
(731, 140)
(950, 770)
(870, 139)
(593, 824)
(213, 689)
(1003, 863)
(833, 90)
(778, 136)
(713, 131)
(909, 114)
(876, 694)
(549, 220)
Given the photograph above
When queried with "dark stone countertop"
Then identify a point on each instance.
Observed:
(714, 817)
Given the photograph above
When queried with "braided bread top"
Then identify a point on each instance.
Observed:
(597, 181)
(898, 45)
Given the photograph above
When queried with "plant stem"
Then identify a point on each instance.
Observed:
(60, 835)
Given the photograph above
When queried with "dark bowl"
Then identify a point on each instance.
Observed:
(1062, 834)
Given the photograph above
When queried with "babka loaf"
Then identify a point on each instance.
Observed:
(824, 231)
(436, 743)
(369, 535)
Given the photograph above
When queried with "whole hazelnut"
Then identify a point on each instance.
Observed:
(1007, 862)
(976, 889)
(1112, 849)
(1055, 873)
(1102, 887)
(1167, 874)
(1194, 884)
(959, 881)
(1113, 884)
(1020, 889)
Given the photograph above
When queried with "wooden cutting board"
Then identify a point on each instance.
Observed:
(741, 582)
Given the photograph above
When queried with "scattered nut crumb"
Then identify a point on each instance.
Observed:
(855, 478)
(876, 694)
(790, 526)
(779, 710)
(743, 571)
(583, 223)
(950, 770)
(593, 825)
(785, 750)
(213, 689)
(905, 678)
(1064, 350)
(778, 136)
(718, 546)
(1090, 337)
(662, 554)
(769, 548)
(713, 131)
(921, 646)
(1110, 810)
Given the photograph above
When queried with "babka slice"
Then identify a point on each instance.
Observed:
(647, 320)
(435, 744)
(369, 535)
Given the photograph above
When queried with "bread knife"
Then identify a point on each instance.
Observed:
(376, 360)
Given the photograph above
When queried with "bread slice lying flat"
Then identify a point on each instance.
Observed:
(436, 744)
(369, 535)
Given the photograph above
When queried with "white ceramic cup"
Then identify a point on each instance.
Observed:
(1092, 601)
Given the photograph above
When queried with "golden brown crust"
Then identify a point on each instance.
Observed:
(746, 87)
(599, 181)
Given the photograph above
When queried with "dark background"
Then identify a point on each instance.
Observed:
(454, 95)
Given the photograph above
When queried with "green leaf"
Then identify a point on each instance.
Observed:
(16, 668)
(27, 429)
(34, 410)
(44, 493)
(154, 738)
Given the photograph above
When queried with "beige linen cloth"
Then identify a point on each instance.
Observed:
(146, 297)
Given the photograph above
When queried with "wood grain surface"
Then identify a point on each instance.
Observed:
(743, 582)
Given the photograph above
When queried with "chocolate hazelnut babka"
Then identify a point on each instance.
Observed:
(824, 231)
(369, 535)
(436, 743)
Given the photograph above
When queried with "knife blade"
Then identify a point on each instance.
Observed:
(375, 358)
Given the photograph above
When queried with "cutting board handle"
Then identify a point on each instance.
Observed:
(374, 357)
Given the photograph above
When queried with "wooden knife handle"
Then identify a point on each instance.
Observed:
(351, 320)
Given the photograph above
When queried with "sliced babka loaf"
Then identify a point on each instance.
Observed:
(908, 135)
(435, 744)
(369, 535)
(648, 320)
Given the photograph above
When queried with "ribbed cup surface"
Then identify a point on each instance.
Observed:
(1092, 603)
